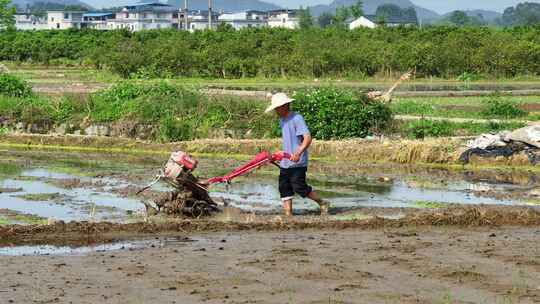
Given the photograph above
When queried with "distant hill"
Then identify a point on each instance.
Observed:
(21, 4)
(227, 5)
(370, 6)
(489, 16)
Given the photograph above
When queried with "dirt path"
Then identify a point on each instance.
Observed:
(70, 88)
(87, 88)
(258, 94)
(407, 265)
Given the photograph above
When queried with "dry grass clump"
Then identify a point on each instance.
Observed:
(477, 216)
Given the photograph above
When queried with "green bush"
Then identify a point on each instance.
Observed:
(422, 128)
(412, 108)
(179, 113)
(498, 107)
(466, 77)
(141, 102)
(334, 114)
(12, 86)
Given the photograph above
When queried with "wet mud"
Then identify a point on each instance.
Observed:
(80, 232)
(394, 265)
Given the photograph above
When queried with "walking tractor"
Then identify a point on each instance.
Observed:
(190, 195)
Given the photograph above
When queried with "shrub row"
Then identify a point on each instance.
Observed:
(332, 52)
(180, 113)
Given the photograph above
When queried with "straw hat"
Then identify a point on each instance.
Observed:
(278, 100)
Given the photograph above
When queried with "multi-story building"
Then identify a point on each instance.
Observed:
(284, 18)
(145, 16)
(198, 20)
(62, 20)
(157, 15)
(26, 22)
(247, 19)
(98, 21)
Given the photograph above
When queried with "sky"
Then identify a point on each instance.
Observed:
(440, 6)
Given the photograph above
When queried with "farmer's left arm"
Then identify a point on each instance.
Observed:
(302, 130)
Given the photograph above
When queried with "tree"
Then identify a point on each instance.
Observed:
(388, 11)
(410, 14)
(306, 20)
(342, 14)
(526, 13)
(357, 10)
(40, 8)
(392, 11)
(325, 19)
(6, 14)
(460, 18)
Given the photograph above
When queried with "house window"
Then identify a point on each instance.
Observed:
(58, 25)
(283, 20)
(144, 15)
(52, 19)
(66, 15)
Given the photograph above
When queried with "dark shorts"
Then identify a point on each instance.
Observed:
(293, 181)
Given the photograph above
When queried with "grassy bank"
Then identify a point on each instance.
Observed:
(164, 112)
(157, 111)
(489, 107)
(439, 153)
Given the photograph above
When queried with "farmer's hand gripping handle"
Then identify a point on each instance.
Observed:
(279, 156)
(260, 160)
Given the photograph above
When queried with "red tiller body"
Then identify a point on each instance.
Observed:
(262, 159)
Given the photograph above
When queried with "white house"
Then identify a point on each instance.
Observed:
(372, 21)
(62, 20)
(198, 20)
(27, 22)
(284, 18)
(362, 22)
(247, 19)
(98, 21)
(145, 16)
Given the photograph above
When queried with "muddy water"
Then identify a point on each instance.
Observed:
(96, 187)
(46, 250)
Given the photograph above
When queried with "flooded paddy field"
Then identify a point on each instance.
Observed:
(390, 237)
(48, 185)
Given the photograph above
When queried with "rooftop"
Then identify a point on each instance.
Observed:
(97, 14)
(392, 19)
(150, 6)
(64, 11)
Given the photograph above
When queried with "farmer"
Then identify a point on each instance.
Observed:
(296, 141)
